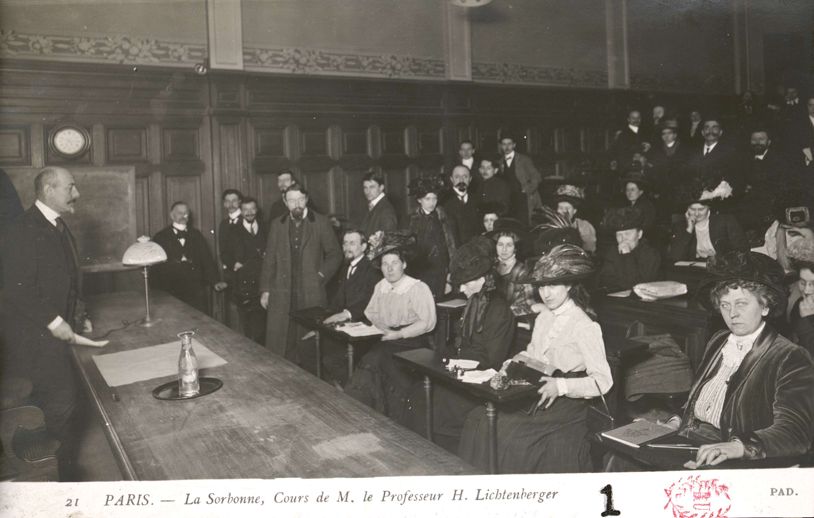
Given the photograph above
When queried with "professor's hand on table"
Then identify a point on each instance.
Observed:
(714, 454)
(63, 332)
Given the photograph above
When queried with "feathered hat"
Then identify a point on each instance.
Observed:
(422, 185)
(697, 191)
(624, 218)
(570, 192)
(472, 260)
(744, 266)
(564, 264)
(552, 229)
(801, 254)
(380, 243)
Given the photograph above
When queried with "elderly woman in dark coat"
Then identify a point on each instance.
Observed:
(567, 347)
(434, 232)
(485, 333)
(753, 398)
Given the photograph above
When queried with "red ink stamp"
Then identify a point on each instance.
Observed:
(696, 497)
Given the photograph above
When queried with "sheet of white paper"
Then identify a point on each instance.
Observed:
(149, 363)
(478, 376)
(621, 294)
(696, 264)
(359, 329)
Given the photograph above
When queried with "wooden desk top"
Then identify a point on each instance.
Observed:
(312, 319)
(270, 419)
(427, 362)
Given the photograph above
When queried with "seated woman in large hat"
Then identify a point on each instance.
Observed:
(508, 234)
(753, 398)
(566, 341)
(434, 232)
(567, 201)
(704, 233)
(801, 316)
(633, 260)
(485, 333)
(404, 309)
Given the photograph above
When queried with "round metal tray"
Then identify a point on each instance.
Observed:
(169, 391)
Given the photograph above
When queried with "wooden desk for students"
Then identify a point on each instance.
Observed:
(680, 316)
(270, 419)
(445, 318)
(312, 318)
(427, 362)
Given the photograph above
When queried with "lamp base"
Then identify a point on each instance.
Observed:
(149, 323)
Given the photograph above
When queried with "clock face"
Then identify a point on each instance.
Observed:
(70, 141)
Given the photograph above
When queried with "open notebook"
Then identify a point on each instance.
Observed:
(637, 433)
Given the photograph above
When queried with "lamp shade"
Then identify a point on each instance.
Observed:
(144, 253)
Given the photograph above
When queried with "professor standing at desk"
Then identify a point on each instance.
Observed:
(42, 289)
(301, 256)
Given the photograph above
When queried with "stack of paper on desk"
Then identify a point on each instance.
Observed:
(359, 329)
(478, 376)
(148, 363)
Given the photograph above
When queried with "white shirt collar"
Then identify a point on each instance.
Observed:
(424, 211)
(178, 226)
(356, 261)
(811, 118)
(634, 129)
(761, 157)
(671, 144)
(402, 285)
(509, 157)
(703, 226)
(710, 147)
(746, 339)
(468, 162)
(564, 307)
(376, 200)
(50, 214)
(248, 226)
(234, 215)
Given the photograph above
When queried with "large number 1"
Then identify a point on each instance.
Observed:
(609, 510)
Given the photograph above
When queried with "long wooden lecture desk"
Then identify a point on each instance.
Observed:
(270, 419)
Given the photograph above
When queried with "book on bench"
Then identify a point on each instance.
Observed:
(637, 433)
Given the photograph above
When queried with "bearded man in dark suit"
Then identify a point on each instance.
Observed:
(462, 206)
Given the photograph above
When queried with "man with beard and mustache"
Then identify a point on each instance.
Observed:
(461, 207)
(248, 241)
(285, 179)
(765, 173)
(301, 256)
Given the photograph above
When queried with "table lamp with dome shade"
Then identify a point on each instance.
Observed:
(145, 253)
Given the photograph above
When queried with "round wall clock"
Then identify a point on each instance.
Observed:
(69, 140)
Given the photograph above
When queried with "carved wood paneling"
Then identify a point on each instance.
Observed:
(181, 144)
(188, 190)
(15, 146)
(126, 145)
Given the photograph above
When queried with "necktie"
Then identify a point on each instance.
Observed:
(351, 269)
(706, 150)
(180, 234)
(67, 239)
(254, 228)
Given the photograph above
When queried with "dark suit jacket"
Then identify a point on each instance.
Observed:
(225, 247)
(526, 173)
(248, 250)
(465, 215)
(493, 190)
(382, 217)
(724, 231)
(354, 293)
(720, 163)
(667, 165)
(195, 250)
(622, 272)
(38, 287)
(769, 401)
(627, 142)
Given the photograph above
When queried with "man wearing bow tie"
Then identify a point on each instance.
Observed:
(189, 270)
(248, 246)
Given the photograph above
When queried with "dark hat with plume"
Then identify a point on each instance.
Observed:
(380, 243)
(624, 218)
(569, 192)
(552, 229)
(636, 177)
(564, 264)
(472, 260)
(422, 185)
(744, 266)
(697, 191)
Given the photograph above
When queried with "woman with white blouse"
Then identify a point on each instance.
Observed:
(567, 346)
(404, 310)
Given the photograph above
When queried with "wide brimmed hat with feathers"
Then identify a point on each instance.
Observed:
(380, 243)
(569, 192)
(552, 229)
(422, 185)
(509, 225)
(698, 191)
(744, 266)
(801, 254)
(624, 218)
(564, 264)
(473, 259)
